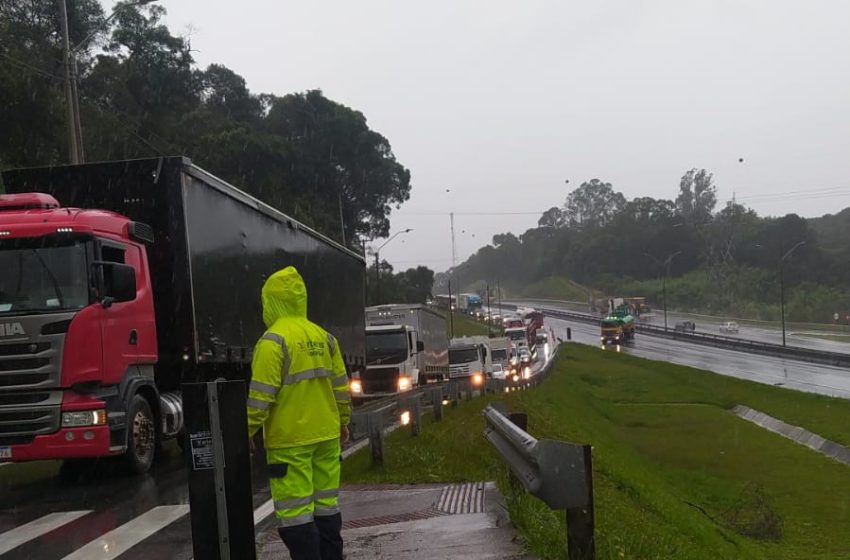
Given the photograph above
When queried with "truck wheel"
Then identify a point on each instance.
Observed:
(141, 436)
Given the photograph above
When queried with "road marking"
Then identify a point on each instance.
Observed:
(120, 540)
(34, 529)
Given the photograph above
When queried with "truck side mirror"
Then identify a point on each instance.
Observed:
(420, 346)
(119, 282)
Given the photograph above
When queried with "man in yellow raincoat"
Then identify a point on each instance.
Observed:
(299, 395)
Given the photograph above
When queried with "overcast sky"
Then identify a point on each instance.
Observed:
(502, 102)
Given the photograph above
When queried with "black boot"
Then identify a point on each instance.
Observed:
(330, 528)
(302, 541)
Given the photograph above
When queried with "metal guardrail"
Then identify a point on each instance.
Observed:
(734, 343)
(559, 473)
(374, 419)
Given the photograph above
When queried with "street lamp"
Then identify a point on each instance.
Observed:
(782, 285)
(378, 266)
(666, 271)
(72, 95)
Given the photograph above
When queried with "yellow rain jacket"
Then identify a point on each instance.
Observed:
(299, 387)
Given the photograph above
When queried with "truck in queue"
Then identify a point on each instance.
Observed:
(406, 345)
(617, 328)
(500, 351)
(470, 358)
(123, 280)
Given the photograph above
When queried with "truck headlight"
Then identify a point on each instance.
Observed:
(477, 378)
(83, 418)
(516, 378)
(355, 386)
(404, 384)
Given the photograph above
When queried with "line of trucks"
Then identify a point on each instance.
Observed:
(408, 346)
(123, 280)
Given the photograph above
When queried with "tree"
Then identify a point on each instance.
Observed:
(697, 196)
(553, 217)
(592, 205)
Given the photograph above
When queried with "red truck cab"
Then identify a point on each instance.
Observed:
(77, 334)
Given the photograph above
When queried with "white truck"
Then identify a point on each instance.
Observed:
(470, 357)
(500, 351)
(406, 345)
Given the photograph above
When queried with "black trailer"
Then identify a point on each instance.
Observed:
(213, 248)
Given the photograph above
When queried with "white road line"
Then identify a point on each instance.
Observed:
(34, 529)
(120, 540)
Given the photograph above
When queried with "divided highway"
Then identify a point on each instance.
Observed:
(802, 376)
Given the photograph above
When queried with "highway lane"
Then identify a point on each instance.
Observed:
(802, 376)
(711, 325)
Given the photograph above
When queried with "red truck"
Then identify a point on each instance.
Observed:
(122, 280)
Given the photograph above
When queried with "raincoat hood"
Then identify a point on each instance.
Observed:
(284, 295)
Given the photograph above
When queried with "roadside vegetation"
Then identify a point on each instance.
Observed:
(465, 325)
(676, 474)
(719, 258)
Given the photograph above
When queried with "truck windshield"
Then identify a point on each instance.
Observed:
(516, 335)
(43, 276)
(387, 347)
(463, 356)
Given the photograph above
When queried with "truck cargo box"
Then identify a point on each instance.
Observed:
(213, 248)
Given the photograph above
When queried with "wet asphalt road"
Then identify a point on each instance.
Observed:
(802, 376)
(114, 499)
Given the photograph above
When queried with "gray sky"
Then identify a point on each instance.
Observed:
(503, 101)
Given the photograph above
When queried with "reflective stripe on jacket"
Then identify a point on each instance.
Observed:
(299, 387)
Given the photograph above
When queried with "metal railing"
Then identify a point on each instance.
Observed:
(372, 421)
(733, 343)
(558, 473)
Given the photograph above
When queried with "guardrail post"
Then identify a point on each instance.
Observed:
(437, 403)
(375, 424)
(569, 333)
(415, 407)
(454, 393)
(581, 544)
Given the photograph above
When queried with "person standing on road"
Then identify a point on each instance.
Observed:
(299, 395)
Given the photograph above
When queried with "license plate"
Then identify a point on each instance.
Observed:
(5, 452)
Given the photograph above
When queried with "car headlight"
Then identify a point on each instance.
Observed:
(526, 373)
(404, 383)
(356, 386)
(516, 378)
(83, 418)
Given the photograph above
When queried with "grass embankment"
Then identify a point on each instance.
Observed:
(676, 474)
(555, 287)
(464, 325)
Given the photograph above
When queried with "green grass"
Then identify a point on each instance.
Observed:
(464, 325)
(676, 475)
(833, 337)
(555, 287)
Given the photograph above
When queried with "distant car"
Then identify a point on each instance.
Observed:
(729, 327)
(685, 326)
(524, 356)
(498, 371)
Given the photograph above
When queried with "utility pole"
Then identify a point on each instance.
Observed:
(489, 318)
(782, 284)
(451, 312)
(70, 103)
(499, 296)
(454, 251)
(377, 280)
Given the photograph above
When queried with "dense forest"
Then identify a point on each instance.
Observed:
(725, 260)
(141, 94)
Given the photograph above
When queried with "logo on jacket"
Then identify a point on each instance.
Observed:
(11, 329)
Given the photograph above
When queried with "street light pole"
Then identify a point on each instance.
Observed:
(782, 285)
(378, 264)
(665, 268)
(72, 94)
(70, 113)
